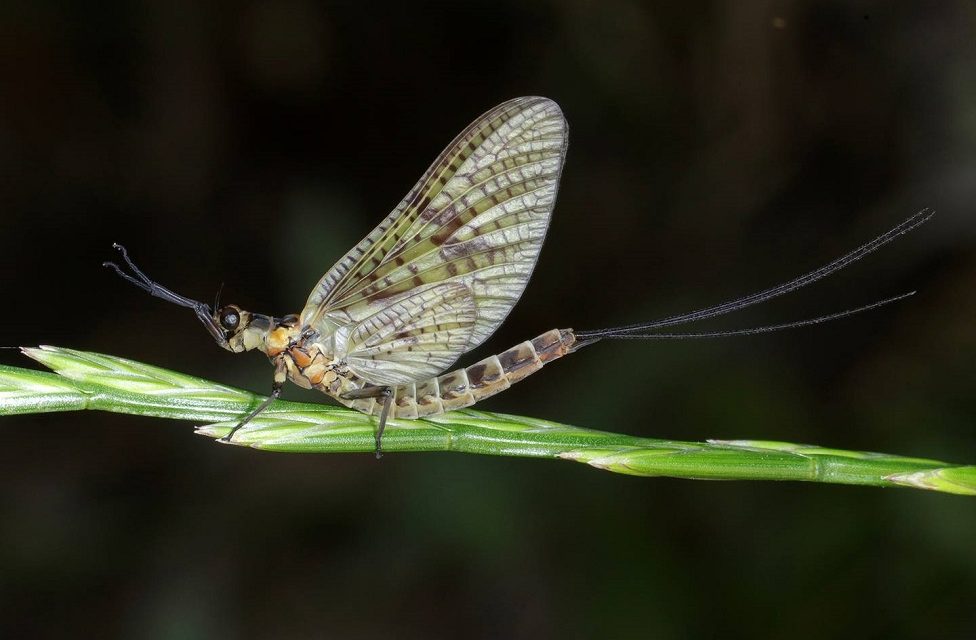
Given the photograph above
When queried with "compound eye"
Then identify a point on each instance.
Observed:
(229, 318)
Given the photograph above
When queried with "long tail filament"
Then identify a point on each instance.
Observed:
(645, 330)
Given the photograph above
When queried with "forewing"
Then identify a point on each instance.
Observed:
(413, 338)
(476, 218)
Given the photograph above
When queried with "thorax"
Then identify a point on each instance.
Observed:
(311, 358)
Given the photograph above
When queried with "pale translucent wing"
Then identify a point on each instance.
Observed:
(477, 218)
(414, 338)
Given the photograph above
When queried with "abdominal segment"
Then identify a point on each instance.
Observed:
(462, 387)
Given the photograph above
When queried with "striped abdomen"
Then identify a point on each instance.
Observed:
(464, 387)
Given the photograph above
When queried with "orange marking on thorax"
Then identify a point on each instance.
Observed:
(278, 340)
(300, 356)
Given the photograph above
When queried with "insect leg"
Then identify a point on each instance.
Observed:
(387, 403)
(375, 392)
(147, 284)
(281, 374)
(153, 288)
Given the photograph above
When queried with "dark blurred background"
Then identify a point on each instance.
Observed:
(716, 148)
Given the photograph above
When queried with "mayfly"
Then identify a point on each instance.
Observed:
(438, 276)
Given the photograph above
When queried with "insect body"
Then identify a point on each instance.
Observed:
(439, 274)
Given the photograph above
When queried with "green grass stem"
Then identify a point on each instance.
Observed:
(83, 380)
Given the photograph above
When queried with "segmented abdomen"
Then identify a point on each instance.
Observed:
(464, 387)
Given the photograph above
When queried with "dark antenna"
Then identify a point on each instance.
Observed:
(220, 290)
(641, 331)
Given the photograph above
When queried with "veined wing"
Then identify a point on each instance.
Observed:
(414, 338)
(476, 218)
